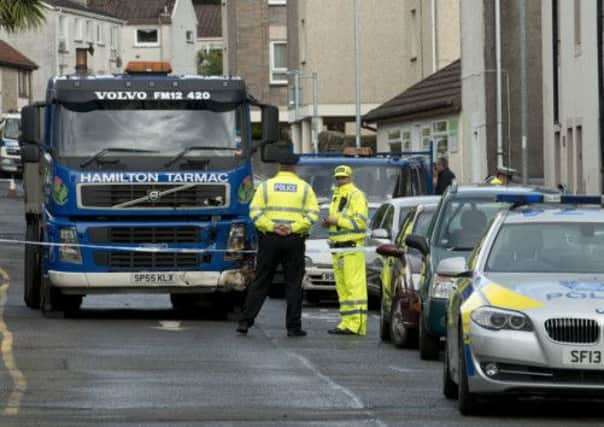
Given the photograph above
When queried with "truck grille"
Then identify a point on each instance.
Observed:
(146, 259)
(569, 330)
(127, 235)
(153, 196)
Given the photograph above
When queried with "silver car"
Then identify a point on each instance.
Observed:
(528, 312)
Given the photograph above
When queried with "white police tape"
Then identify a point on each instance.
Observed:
(164, 248)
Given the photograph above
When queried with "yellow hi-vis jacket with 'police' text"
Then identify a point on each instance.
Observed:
(284, 199)
(349, 206)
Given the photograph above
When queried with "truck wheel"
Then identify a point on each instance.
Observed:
(467, 402)
(33, 267)
(429, 346)
(51, 301)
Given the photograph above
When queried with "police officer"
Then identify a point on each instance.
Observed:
(503, 177)
(283, 210)
(347, 223)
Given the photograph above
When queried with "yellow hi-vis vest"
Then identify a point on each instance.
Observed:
(349, 206)
(284, 199)
(495, 181)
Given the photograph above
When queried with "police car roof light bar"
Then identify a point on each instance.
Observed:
(582, 199)
(519, 199)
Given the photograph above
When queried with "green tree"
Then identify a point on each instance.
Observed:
(209, 63)
(18, 15)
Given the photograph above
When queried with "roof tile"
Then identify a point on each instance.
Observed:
(11, 57)
(439, 93)
(209, 18)
(137, 11)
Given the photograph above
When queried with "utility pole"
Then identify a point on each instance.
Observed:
(499, 97)
(357, 73)
(523, 91)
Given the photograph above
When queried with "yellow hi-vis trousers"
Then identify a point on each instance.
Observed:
(351, 285)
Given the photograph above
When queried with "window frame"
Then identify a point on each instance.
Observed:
(277, 2)
(78, 26)
(272, 68)
(146, 44)
(190, 39)
(90, 31)
(23, 90)
(100, 34)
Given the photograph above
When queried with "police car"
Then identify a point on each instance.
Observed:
(528, 312)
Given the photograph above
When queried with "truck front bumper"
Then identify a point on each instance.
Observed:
(151, 281)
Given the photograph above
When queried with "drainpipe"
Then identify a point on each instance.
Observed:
(434, 38)
(600, 16)
(498, 67)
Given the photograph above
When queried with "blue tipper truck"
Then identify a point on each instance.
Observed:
(140, 183)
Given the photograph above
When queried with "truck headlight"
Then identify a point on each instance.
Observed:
(496, 319)
(236, 242)
(71, 254)
(443, 286)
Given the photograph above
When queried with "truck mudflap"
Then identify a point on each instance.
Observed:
(236, 280)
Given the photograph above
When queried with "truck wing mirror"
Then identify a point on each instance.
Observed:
(270, 124)
(31, 128)
(30, 153)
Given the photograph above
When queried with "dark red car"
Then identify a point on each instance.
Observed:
(400, 306)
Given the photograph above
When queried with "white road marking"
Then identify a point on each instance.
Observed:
(356, 402)
(20, 384)
(169, 325)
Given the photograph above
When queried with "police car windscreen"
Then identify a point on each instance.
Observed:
(378, 183)
(463, 222)
(564, 247)
(165, 128)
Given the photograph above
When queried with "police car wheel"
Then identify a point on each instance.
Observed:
(450, 389)
(33, 270)
(466, 401)
(429, 346)
(384, 323)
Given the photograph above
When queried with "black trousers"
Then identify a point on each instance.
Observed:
(272, 250)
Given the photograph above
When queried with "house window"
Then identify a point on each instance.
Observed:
(89, 31)
(100, 34)
(63, 33)
(426, 138)
(278, 58)
(413, 35)
(115, 41)
(441, 137)
(190, 37)
(23, 82)
(147, 37)
(394, 141)
(577, 22)
(407, 140)
(277, 2)
(77, 30)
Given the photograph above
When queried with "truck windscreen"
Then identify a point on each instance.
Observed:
(378, 183)
(163, 129)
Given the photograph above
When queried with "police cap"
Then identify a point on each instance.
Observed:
(342, 171)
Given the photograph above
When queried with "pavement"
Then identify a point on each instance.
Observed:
(131, 360)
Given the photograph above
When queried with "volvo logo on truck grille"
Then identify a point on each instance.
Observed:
(153, 196)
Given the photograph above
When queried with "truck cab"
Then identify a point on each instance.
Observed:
(140, 183)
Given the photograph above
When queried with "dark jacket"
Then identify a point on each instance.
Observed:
(445, 178)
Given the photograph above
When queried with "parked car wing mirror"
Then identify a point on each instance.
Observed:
(452, 267)
(389, 249)
(418, 242)
(380, 233)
